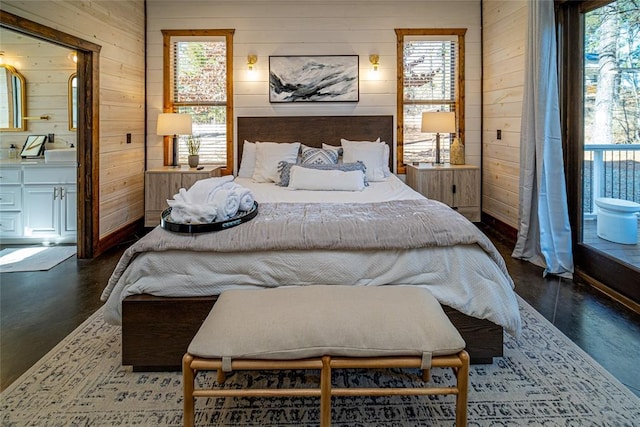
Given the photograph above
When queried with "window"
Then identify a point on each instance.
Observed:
(431, 78)
(197, 80)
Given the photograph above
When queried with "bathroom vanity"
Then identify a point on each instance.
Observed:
(38, 201)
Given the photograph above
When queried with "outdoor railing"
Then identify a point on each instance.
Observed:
(610, 170)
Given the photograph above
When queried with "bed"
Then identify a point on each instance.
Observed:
(160, 297)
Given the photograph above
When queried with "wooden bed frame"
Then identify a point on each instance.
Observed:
(156, 331)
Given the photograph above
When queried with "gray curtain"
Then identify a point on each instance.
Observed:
(544, 233)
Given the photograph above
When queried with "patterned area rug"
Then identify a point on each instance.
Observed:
(543, 380)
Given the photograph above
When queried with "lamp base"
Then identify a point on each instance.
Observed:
(438, 161)
(174, 153)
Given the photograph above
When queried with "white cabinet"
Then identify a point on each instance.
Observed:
(10, 224)
(50, 210)
(10, 202)
(50, 200)
(38, 203)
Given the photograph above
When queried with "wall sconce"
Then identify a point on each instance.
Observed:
(375, 61)
(73, 56)
(251, 61)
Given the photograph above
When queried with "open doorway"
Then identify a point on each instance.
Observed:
(87, 123)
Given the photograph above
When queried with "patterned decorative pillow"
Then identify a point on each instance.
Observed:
(332, 147)
(318, 156)
(284, 169)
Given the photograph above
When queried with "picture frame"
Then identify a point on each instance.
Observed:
(33, 146)
(314, 78)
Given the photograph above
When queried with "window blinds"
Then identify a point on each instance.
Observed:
(430, 71)
(198, 87)
(429, 84)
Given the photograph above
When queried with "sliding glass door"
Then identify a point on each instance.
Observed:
(600, 44)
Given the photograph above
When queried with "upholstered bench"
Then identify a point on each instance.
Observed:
(325, 327)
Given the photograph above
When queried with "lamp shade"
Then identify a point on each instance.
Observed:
(174, 124)
(438, 122)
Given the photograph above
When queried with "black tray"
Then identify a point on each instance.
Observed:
(239, 218)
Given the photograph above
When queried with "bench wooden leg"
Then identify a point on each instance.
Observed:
(462, 378)
(188, 379)
(459, 364)
(325, 392)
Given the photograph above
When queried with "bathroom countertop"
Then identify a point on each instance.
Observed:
(32, 162)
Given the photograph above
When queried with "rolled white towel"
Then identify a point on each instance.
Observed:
(245, 197)
(229, 185)
(182, 196)
(202, 191)
(226, 203)
(185, 213)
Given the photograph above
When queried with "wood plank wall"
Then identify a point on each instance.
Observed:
(288, 28)
(311, 27)
(504, 33)
(117, 26)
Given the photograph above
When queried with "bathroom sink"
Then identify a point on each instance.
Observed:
(60, 155)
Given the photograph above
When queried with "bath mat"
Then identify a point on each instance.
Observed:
(34, 258)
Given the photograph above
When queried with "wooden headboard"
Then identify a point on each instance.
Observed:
(313, 131)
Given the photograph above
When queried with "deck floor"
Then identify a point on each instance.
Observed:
(629, 254)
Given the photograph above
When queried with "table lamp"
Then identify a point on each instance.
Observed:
(174, 124)
(438, 122)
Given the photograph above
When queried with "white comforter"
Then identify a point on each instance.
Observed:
(462, 277)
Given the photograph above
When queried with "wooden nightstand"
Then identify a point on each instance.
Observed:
(162, 183)
(455, 185)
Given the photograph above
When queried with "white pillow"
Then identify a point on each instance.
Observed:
(348, 140)
(248, 163)
(387, 170)
(268, 154)
(369, 153)
(302, 178)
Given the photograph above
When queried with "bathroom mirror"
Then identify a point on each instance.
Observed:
(73, 102)
(34, 146)
(12, 99)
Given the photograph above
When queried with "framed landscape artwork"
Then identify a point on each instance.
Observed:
(318, 78)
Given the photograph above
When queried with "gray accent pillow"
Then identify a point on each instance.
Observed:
(284, 169)
(318, 156)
